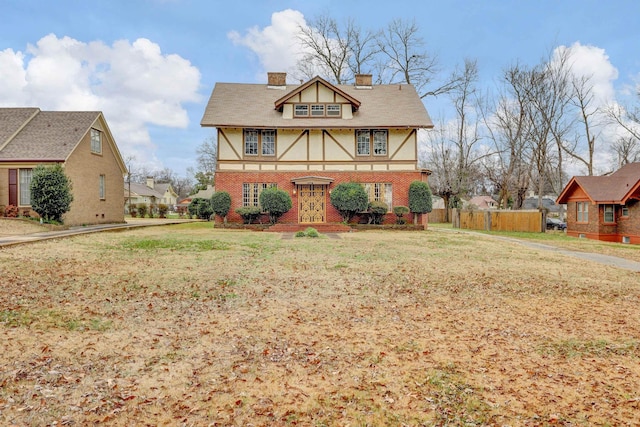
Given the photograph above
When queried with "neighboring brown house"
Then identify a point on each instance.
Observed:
(79, 140)
(604, 207)
(483, 202)
(307, 138)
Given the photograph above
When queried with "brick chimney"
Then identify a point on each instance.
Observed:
(276, 79)
(363, 81)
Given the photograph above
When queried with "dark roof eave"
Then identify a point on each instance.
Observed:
(271, 126)
(3, 160)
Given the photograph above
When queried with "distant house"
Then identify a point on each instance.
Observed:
(150, 193)
(202, 194)
(483, 202)
(548, 203)
(604, 207)
(78, 140)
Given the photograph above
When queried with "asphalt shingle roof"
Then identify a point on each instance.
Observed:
(614, 188)
(42, 135)
(253, 105)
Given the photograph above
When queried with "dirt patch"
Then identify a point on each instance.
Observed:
(193, 325)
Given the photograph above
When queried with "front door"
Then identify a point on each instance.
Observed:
(311, 203)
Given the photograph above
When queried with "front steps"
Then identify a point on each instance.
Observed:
(321, 228)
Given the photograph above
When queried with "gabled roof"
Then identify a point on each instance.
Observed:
(616, 188)
(29, 134)
(252, 105)
(354, 102)
(143, 190)
(32, 134)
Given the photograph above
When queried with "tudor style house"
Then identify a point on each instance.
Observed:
(307, 138)
(604, 207)
(80, 141)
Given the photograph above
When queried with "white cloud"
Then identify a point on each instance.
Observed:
(593, 63)
(276, 45)
(134, 84)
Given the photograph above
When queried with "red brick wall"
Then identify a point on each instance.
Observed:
(231, 182)
(623, 227)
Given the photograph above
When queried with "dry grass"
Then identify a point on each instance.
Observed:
(188, 325)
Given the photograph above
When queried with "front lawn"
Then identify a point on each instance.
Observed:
(193, 325)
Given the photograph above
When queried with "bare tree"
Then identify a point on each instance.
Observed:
(455, 157)
(509, 168)
(207, 158)
(404, 59)
(627, 149)
(396, 54)
(588, 118)
(329, 48)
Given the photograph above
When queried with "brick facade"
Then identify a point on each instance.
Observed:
(623, 228)
(232, 182)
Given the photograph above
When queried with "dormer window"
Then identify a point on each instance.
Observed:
(333, 110)
(317, 110)
(302, 110)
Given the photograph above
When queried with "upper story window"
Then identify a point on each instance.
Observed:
(364, 138)
(333, 110)
(317, 110)
(96, 141)
(301, 110)
(259, 142)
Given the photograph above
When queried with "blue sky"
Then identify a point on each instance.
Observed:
(150, 65)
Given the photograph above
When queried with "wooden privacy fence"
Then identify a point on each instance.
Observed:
(500, 220)
(439, 215)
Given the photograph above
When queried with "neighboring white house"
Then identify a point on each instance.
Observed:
(150, 193)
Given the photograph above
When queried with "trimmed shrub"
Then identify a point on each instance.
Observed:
(200, 208)
(249, 213)
(50, 192)
(420, 200)
(349, 198)
(142, 210)
(399, 211)
(378, 210)
(275, 202)
(221, 204)
(162, 210)
(300, 233)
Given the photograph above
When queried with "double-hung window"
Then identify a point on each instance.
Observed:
(268, 142)
(259, 142)
(96, 141)
(379, 142)
(582, 211)
(365, 138)
(251, 142)
(609, 213)
(25, 186)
